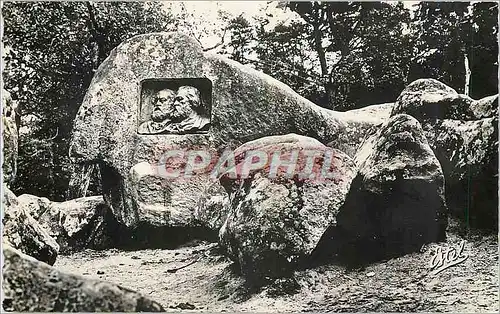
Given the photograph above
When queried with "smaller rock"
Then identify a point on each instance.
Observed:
(486, 107)
(276, 221)
(24, 233)
(76, 224)
(184, 306)
(213, 208)
(31, 286)
(223, 297)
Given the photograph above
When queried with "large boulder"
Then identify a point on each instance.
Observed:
(430, 99)
(245, 105)
(23, 232)
(10, 126)
(468, 153)
(463, 133)
(31, 286)
(75, 224)
(278, 216)
(396, 201)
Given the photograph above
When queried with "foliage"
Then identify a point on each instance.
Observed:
(283, 52)
(52, 52)
(339, 55)
(445, 32)
(483, 53)
(440, 37)
(345, 55)
(357, 44)
(202, 25)
(241, 37)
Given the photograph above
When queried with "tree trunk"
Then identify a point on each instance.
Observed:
(467, 75)
(322, 61)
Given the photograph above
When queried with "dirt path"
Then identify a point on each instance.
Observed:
(207, 282)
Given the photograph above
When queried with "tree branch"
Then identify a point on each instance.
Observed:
(97, 34)
(219, 43)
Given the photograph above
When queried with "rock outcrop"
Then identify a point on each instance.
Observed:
(275, 221)
(31, 286)
(24, 233)
(75, 224)
(463, 134)
(430, 99)
(396, 201)
(246, 105)
(468, 153)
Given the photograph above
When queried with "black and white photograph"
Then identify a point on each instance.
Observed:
(250, 156)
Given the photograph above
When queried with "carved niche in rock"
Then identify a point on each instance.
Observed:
(175, 106)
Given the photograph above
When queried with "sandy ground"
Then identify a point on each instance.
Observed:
(208, 281)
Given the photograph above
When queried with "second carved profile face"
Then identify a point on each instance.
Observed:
(185, 103)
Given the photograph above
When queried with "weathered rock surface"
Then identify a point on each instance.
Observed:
(359, 125)
(163, 201)
(468, 153)
(34, 205)
(213, 208)
(10, 137)
(31, 286)
(463, 134)
(76, 224)
(109, 113)
(486, 107)
(23, 232)
(426, 99)
(396, 201)
(430, 99)
(275, 223)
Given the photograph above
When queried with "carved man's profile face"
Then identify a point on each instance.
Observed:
(162, 105)
(185, 102)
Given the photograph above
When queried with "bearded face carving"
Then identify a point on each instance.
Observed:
(176, 112)
(162, 105)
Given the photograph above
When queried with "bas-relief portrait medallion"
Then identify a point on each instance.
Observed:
(175, 106)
